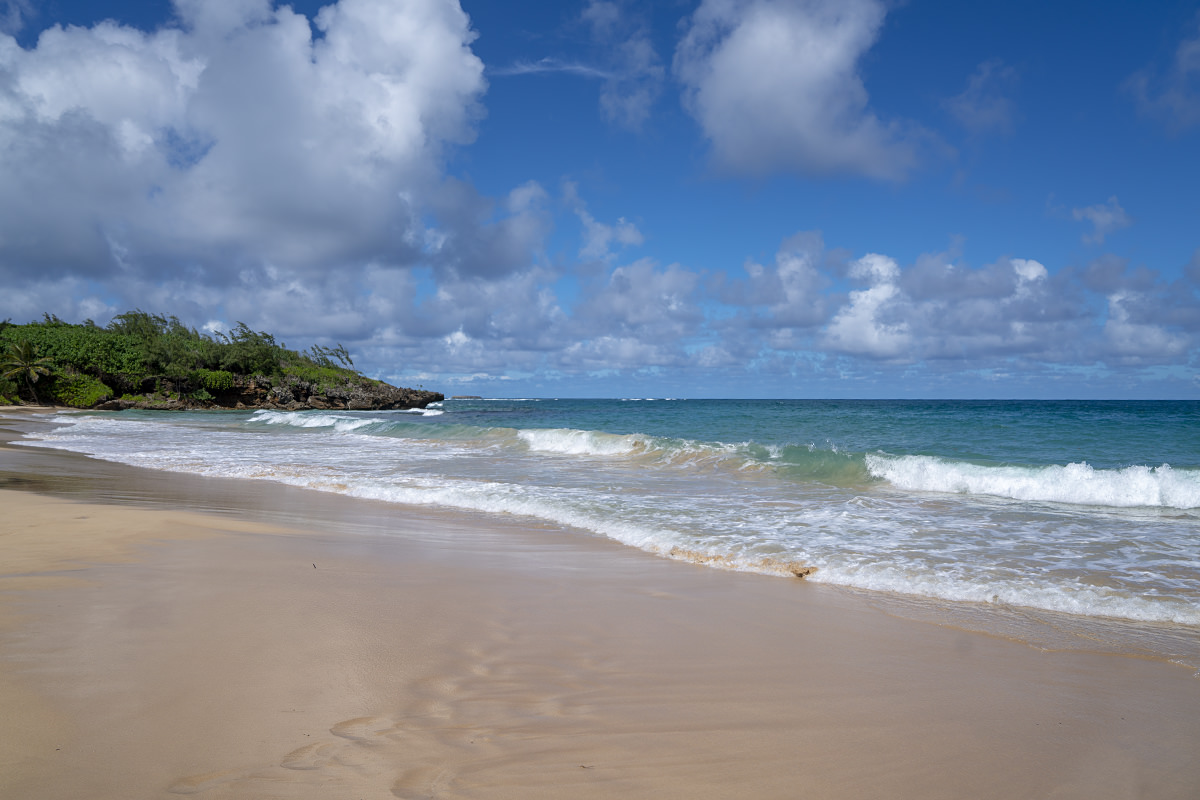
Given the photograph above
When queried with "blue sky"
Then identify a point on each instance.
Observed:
(770, 198)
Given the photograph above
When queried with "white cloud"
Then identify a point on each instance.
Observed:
(1138, 341)
(603, 16)
(775, 85)
(236, 139)
(617, 353)
(944, 311)
(1028, 271)
(864, 326)
(476, 239)
(599, 237)
(1173, 97)
(642, 301)
(791, 289)
(1106, 218)
(985, 106)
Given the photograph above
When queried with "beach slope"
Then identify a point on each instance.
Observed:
(150, 650)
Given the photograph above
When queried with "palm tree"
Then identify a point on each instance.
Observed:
(22, 362)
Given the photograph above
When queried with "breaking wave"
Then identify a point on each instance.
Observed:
(1073, 484)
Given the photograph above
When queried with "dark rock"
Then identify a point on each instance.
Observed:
(115, 405)
(291, 394)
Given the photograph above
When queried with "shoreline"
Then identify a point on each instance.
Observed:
(448, 654)
(1037, 626)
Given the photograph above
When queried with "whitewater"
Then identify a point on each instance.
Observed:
(1084, 508)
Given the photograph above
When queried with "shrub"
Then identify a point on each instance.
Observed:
(215, 380)
(140, 353)
(79, 391)
(321, 377)
(201, 395)
(247, 351)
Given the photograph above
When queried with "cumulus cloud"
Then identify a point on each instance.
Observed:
(940, 310)
(641, 301)
(234, 140)
(483, 239)
(1013, 314)
(775, 85)
(1028, 271)
(1134, 339)
(1173, 96)
(986, 106)
(252, 164)
(790, 292)
(599, 237)
(1106, 218)
(866, 326)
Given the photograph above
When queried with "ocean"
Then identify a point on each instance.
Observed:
(1089, 509)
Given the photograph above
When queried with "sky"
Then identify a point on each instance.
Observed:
(600, 198)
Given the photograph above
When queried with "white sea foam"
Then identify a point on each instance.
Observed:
(340, 423)
(1075, 484)
(962, 546)
(1066, 596)
(580, 443)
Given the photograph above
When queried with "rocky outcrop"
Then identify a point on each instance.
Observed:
(286, 394)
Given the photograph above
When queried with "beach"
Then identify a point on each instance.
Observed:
(165, 634)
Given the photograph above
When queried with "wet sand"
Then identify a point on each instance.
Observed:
(166, 635)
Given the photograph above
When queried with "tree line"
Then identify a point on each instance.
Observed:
(139, 354)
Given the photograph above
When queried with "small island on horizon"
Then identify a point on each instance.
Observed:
(151, 361)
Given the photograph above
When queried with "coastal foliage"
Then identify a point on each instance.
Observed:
(77, 390)
(23, 364)
(140, 354)
(215, 380)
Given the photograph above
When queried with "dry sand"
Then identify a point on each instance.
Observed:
(147, 650)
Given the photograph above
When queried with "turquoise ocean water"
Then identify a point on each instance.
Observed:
(1090, 509)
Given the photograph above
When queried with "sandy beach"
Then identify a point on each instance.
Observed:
(165, 635)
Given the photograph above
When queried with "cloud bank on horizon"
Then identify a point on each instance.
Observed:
(732, 197)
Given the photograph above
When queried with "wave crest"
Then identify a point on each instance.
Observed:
(1074, 484)
(567, 441)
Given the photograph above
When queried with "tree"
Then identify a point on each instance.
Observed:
(21, 362)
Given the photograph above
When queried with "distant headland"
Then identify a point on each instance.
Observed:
(151, 361)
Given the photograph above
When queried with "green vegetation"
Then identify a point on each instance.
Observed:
(79, 391)
(217, 380)
(23, 364)
(149, 357)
